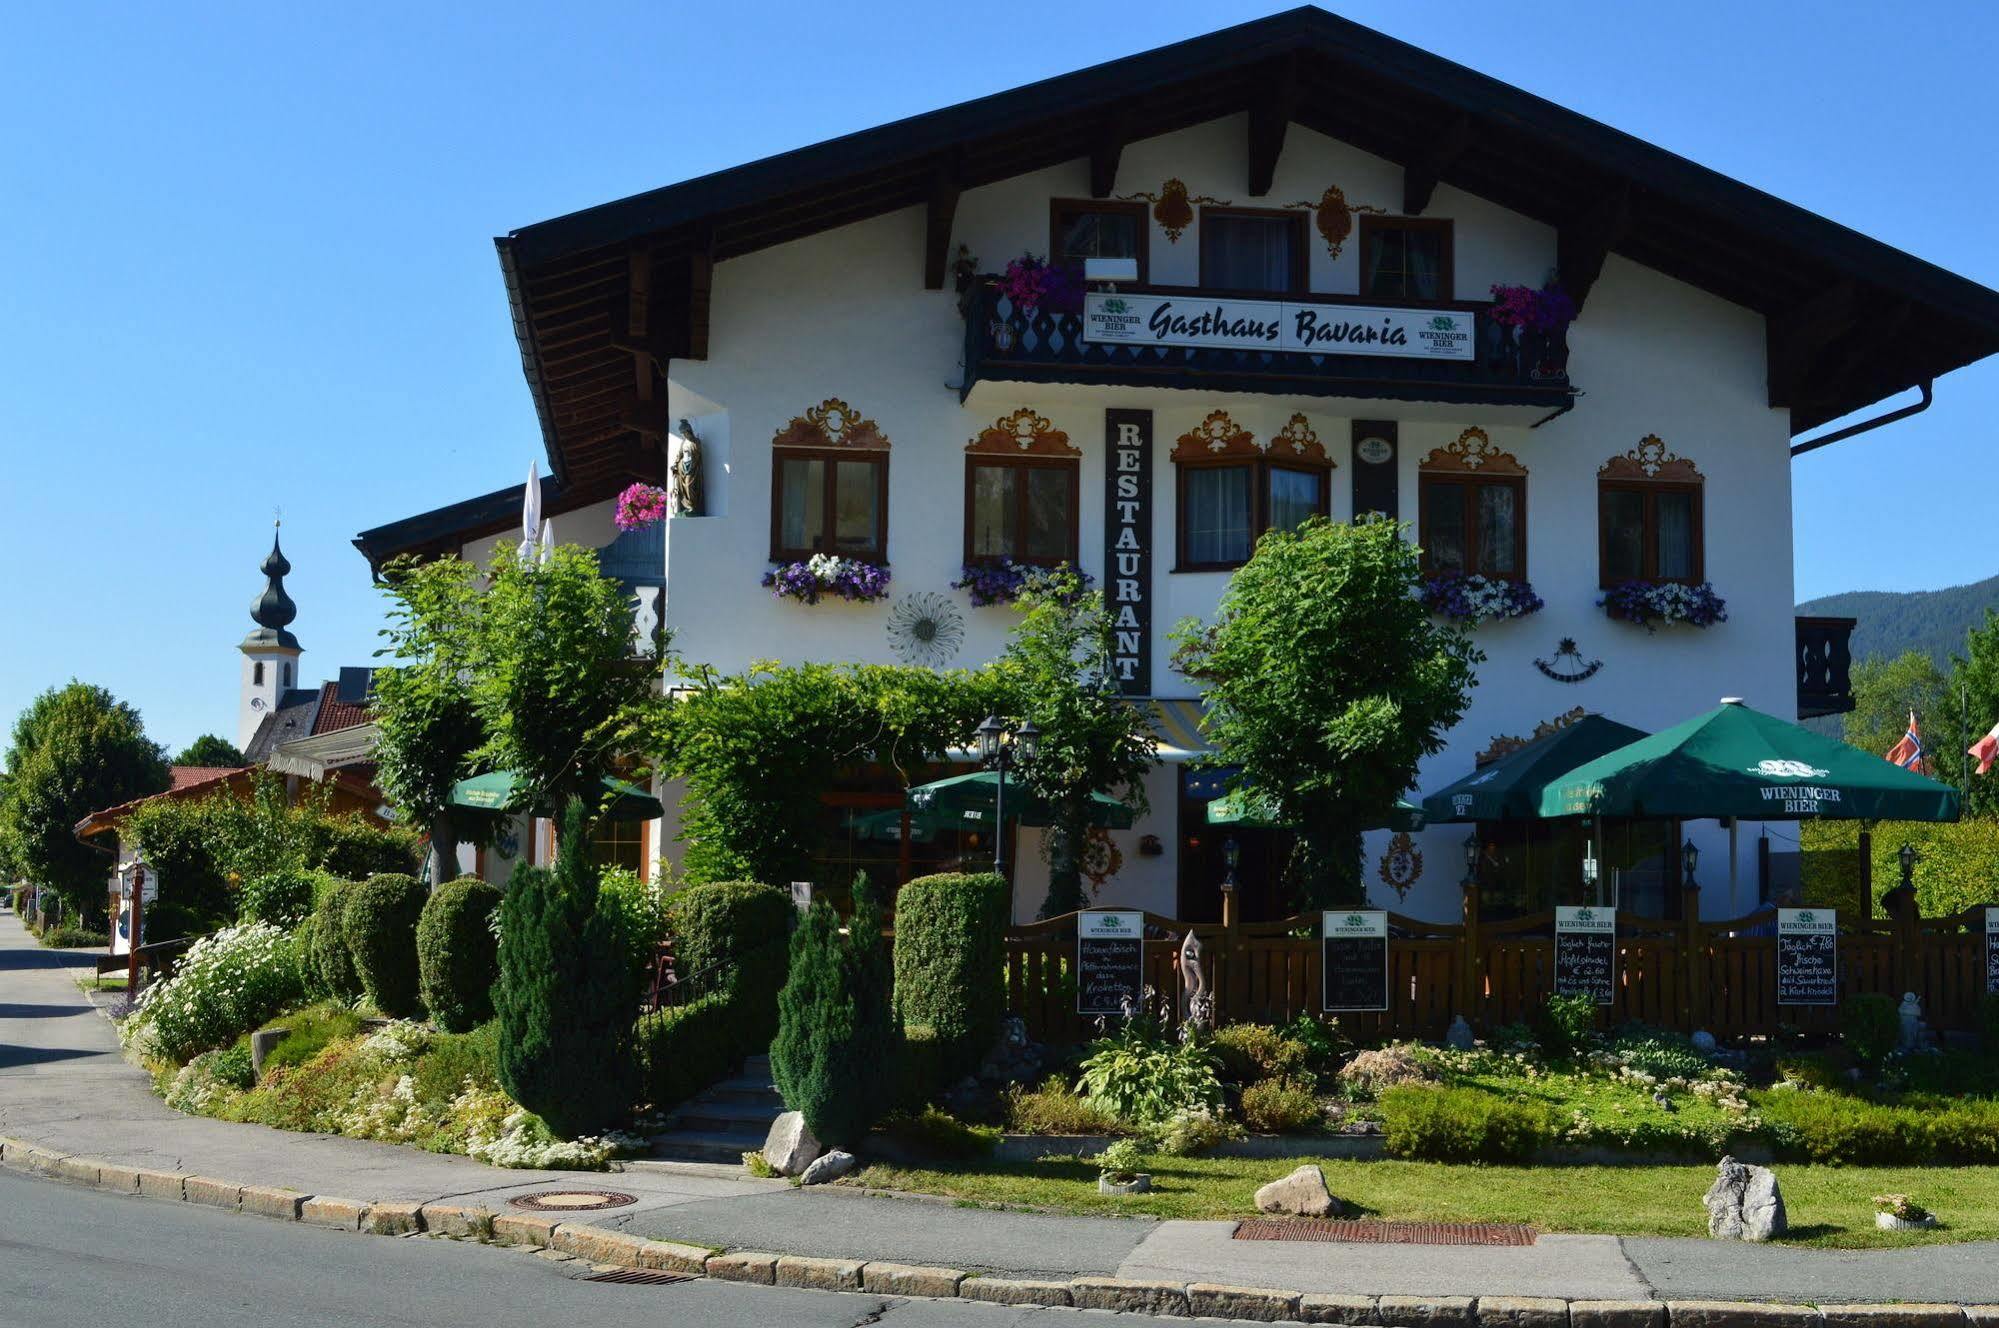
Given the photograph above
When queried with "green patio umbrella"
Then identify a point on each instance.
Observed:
(495, 791)
(1734, 761)
(967, 800)
(886, 827)
(1510, 788)
(1247, 808)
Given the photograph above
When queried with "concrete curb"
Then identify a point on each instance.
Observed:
(602, 1246)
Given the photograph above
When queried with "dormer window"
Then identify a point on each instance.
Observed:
(1253, 250)
(1080, 228)
(1406, 258)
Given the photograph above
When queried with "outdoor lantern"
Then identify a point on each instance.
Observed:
(1908, 857)
(1471, 854)
(1231, 855)
(1027, 739)
(989, 738)
(1691, 856)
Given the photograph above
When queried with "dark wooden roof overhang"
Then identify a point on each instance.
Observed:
(605, 297)
(442, 530)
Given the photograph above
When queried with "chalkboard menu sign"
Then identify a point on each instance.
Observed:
(1355, 942)
(1110, 960)
(1586, 953)
(1992, 951)
(1807, 956)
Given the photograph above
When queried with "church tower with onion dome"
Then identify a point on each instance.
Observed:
(270, 653)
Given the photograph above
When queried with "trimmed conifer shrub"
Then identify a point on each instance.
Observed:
(329, 964)
(837, 1038)
(735, 936)
(950, 943)
(566, 994)
(380, 925)
(457, 954)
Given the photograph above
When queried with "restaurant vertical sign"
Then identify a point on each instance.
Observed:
(1807, 956)
(1128, 547)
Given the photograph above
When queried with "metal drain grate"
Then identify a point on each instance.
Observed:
(571, 1201)
(1366, 1231)
(638, 1277)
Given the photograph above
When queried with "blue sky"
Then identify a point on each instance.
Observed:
(248, 258)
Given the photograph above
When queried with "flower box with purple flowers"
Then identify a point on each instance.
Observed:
(1003, 582)
(826, 574)
(1647, 603)
(1474, 599)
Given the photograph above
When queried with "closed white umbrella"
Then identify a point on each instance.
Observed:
(530, 512)
(547, 540)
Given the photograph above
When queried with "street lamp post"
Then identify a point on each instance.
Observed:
(998, 749)
(1689, 858)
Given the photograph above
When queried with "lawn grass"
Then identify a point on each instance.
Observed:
(1828, 1206)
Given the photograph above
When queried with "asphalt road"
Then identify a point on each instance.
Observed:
(71, 1257)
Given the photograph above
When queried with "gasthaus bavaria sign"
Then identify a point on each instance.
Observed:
(1303, 327)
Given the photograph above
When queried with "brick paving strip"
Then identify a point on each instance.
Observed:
(605, 1249)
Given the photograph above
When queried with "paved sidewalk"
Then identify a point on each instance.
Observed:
(64, 1087)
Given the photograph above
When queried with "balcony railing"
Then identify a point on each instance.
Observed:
(1825, 666)
(1509, 365)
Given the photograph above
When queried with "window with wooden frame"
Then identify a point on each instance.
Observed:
(1231, 490)
(1406, 258)
(1254, 250)
(1472, 510)
(829, 486)
(1080, 228)
(1649, 517)
(1022, 485)
(615, 843)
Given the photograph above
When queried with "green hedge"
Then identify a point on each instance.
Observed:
(1957, 864)
(323, 954)
(282, 898)
(457, 953)
(1460, 1125)
(1831, 1127)
(685, 1049)
(735, 934)
(950, 961)
(380, 922)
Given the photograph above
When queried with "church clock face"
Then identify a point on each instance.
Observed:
(1374, 451)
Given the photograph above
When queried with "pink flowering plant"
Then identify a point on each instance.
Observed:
(827, 574)
(639, 506)
(1029, 283)
(1546, 310)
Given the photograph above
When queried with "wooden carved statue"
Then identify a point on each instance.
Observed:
(1197, 1001)
(687, 473)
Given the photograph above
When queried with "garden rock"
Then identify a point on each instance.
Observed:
(1303, 1193)
(1744, 1203)
(830, 1167)
(1458, 1037)
(1703, 1042)
(790, 1147)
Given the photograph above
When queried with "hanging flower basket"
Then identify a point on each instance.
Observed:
(1031, 284)
(639, 506)
(1475, 599)
(1649, 603)
(825, 574)
(1003, 582)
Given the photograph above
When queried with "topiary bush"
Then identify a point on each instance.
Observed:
(735, 934)
(1460, 1125)
(834, 1055)
(950, 958)
(326, 962)
(379, 922)
(684, 1049)
(457, 954)
(1870, 1025)
(566, 993)
(282, 898)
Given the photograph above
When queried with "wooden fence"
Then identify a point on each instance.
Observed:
(1686, 974)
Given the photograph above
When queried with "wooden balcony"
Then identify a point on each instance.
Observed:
(1506, 366)
(1825, 666)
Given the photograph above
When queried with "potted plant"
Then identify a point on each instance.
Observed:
(1475, 599)
(1898, 1212)
(828, 574)
(1648, 602)
(1120, 1174)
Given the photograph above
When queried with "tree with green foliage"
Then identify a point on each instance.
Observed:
(1327, 684)
(560, 683)
(457, 953)
(210, 750)
(1974, 684)
(1885, 691)
(423, 703)
(566, 993)
(834, 1055)
(76, 750)
(757, 748)
(1057, 671)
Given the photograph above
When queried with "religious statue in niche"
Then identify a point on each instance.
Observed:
(1334, 217)
(1568, 664)
(1402, 864)
(687, 473)
(1172, 207)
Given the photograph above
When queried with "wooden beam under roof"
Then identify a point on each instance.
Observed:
(939, 212)
(1425, 170)
(1794, 339)
(1581, 245)
(1271, 107)
(1106, 148)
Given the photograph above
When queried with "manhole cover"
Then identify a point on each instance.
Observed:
(1365, 1231)
(571, 1201)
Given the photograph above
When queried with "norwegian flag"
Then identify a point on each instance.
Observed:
(1986, 749)
(1908, 753)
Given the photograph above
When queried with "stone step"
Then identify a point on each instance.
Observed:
(701, 1115)
(743, 1089)
(706, 1146)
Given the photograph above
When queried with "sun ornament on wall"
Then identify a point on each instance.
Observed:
(1568, 665)
(925, 628)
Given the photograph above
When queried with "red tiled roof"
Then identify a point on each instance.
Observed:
(186, 779)
(335, 714)
(184, 775)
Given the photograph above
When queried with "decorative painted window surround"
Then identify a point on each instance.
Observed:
(1231, 488)
(1473, 485)
(1021, 467)
(1650, 518)
(829, 486)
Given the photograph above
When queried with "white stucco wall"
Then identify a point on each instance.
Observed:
(843, 314)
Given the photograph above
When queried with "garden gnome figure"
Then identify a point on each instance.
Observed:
(1197, 1003)
(1912, 1021)
(687, 473)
